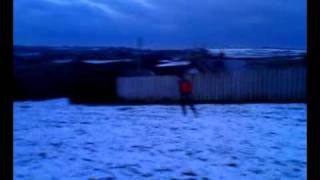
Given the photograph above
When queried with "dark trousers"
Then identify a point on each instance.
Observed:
(186, 100)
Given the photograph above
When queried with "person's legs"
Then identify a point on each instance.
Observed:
(183, 104)
(192, 107)
(184, 110)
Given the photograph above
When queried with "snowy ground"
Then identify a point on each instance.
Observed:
(55, 140)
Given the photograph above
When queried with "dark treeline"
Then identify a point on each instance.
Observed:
(46, 72)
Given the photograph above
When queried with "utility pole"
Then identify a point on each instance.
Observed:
(139, 42)
(139, 48)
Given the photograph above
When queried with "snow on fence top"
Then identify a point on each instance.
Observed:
(258, 53)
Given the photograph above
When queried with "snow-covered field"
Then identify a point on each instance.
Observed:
(56, 140)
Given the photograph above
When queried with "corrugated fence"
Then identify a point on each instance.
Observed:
(239, 86)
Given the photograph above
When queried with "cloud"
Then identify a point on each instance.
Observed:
(164, 22)
(105, 7)
(144, 3)
(59, 2)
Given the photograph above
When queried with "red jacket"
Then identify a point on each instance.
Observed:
(185, 87)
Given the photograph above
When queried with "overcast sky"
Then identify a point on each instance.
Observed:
(162, 23)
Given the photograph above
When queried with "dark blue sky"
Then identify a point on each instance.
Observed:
(161, 23)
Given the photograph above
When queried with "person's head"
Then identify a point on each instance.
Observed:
(186, 77)
(180, 76)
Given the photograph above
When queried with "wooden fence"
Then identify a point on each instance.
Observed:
(268, 85)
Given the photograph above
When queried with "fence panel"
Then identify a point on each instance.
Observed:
(252, 85)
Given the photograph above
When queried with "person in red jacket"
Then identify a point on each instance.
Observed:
(185, 87)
